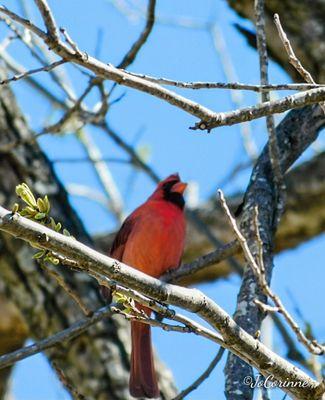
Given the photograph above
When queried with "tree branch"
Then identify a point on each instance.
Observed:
(261, 194)
(235, 339)
(209, 119)
(227, 85)
(132, 53)
(52, 29)
(67, 334)
(202, 377)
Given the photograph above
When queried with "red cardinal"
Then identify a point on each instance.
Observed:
(151, 240)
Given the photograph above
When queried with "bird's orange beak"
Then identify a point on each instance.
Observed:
(179, 187)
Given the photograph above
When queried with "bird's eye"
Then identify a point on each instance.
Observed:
(168, 185)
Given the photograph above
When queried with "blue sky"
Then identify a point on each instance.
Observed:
(177, 53)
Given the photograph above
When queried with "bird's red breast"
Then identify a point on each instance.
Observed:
(151, 240)
(156, 240)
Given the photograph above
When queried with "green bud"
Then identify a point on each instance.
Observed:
(52, 223)
(40, 216)
(24, 192)
(28, 212)
(41, 205)
(15, 208)
(47, 204)
(39, 254)
(54, 260)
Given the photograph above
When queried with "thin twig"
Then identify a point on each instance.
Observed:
(67, 334)
(216, 256)
(229, 118)
(75, 160)
(66, 382)
(23, 75)
(279, 187)
(17, 69)
(71, 113)
(208, 118)
(56, 75)
(236, 96)
(109, 185)
(48, 19)
(202, 377)
(311, 345)
(67, 288)
(227, 85)
(72, 44)
(132, 53)
(293, 59)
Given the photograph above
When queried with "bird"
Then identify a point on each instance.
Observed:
(151, 240)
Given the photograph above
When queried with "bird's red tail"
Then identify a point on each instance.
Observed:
(143, 380)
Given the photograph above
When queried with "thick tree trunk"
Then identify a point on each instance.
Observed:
(97, 363)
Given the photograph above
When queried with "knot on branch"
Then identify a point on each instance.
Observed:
(116, 268)
(202, 126)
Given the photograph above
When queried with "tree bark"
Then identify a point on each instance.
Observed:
(295, 133)
(13, 333)
(96, 363)
(303, 21)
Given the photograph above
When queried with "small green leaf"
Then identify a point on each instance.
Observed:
(52, 223)
(52, 259)
(40, 216)
(47, 204)
(28, 212)
(35, 245)
(15, 208)
(24, 192)
(39, 254)
(41, 205)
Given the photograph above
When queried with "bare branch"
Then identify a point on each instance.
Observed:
(111, 189)
(261, 110)
(209, 119)
(68, 334)
(259, 272)
(273, 142)
(132, 53)
(293, 59)
(67, 288)
(221, 253)
(236, 96)
(24, 22)
(202, 377)
(48, 19)
(23, 75)
(66, 383)
(235, 338)
(222, 85)
(294, 136)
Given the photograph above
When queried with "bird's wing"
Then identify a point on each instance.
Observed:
(121, 238)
